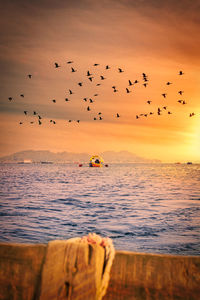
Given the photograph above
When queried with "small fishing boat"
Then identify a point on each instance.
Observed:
(96, 161)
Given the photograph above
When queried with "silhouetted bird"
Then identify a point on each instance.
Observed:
(78, 121)
(25, 112)
(145, 85)
(118, 115)
(100, 118)
(102, 77)
(130, 83)
(70, 92)
(95, 95)
(56, 65)
(90, 78)
(115, 90)
(31, 122)
(180, 92)
(127, 90)
(85, 99)
(99, 113)
(73, 70)
(10, 98)
(151, 113)
(66, 99)
(70, 121)
(54, 100)
(22, 95)
(180, 101)
(80, 83)
(95, 119)
(184, 102)
(96, 65)
(120, 70)
(35, 113)
(137, 117)
(29, 76)
(136, 81)
(20, 123)
(107, 67)
(164, 95)
(91, 101)
(69, 62)
(180, 73)
(54, 122)
(145, 115)
(39, 122)
(149, 102)
(98, 84)
(88, 73)
(165, 107)
(88, 108)
(39, 117)
(192, 114)
(169, 112)
(168, 83)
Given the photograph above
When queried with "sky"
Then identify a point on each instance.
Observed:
(158, 38)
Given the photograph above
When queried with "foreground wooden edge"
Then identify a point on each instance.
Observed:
(39, 272)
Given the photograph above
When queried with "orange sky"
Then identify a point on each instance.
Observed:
(159, 38)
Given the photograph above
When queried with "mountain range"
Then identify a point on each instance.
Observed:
(70, 157)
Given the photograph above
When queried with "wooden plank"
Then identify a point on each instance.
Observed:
(20, 270)
(137, 276)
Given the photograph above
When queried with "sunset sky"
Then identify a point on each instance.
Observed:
(155, 37)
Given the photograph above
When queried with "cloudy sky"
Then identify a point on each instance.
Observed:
(155, 37)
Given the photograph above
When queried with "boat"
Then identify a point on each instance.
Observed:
(96, 161)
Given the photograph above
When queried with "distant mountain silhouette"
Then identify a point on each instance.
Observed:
(69, 157)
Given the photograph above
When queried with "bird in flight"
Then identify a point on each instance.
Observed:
(149, 102)
(164, 95)
(10, 98)
(180, 73)
(25, 112)
(107, 67)
(127, 90)
(56, 65)
(54, 101)
(130, 83)
(102, 77)
(96, 65)
(180, 92)
(70, 92)
(73, 70)
(117, 115)
(66, 99)
(88, 108)
(168, 83)
(90, 78)
(29, 76)
(22, 95)
(80, 84)
(120, 70)
(69, 62)
(88, 73)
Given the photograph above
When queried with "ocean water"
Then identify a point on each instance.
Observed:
(152, 208)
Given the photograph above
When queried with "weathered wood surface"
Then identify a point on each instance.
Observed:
(67, 270)
(20, 271)
(137, 276)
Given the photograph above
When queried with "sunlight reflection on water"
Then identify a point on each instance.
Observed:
(142, 207)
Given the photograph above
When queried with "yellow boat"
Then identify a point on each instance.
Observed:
(96, 161)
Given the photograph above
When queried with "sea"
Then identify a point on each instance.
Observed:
(149, 208)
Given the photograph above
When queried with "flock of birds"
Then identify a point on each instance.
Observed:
(90, 76)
